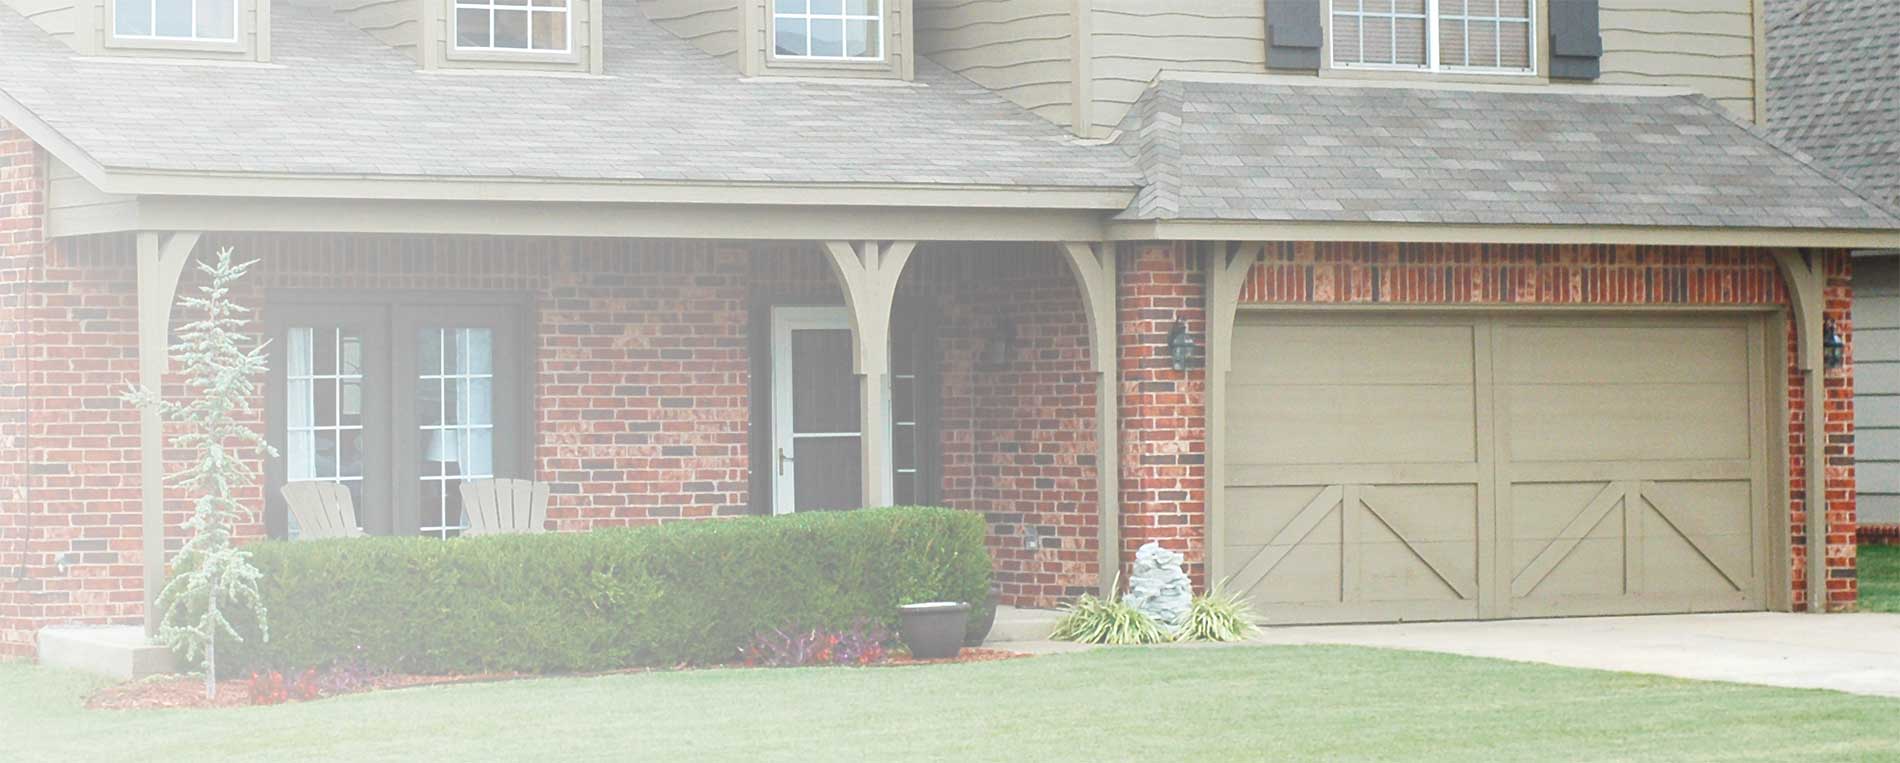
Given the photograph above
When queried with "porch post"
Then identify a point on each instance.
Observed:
(1806, 273)
(161, 261)
(1227, 267)
(1094, 268)
(869, 272)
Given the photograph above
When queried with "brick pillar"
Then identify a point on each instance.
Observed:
(22, 252)
(1838, 408)
(1163, 411)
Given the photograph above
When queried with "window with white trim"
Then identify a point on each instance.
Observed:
(839, 30)
(1480, 36)
(175, 20)
(540, 26)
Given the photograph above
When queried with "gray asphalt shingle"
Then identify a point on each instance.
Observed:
(1284, 151)
(1834, 85)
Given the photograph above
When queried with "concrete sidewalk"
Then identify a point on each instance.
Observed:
(1859, 654)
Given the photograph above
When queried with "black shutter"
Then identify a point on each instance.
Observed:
(1576, 42)
(1294, 34)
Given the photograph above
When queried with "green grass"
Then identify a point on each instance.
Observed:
(1880, 578)
(1149, 704)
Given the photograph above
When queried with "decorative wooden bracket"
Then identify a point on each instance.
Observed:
(1094, 268)
(869, 272)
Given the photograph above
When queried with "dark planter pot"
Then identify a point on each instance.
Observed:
(982, 620)
(934, 631)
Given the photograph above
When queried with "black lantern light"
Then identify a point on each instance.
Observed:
(1180, 346)
(1833, 345)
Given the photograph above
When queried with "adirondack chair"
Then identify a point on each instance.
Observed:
(494, 507)
(322, 510)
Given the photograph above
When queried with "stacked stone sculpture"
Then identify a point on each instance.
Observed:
(1159, 588)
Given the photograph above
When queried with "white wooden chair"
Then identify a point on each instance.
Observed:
(494, 507)
(322, 510)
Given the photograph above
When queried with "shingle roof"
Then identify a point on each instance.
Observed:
(1834, 85)
(335, 101)
(1271, 149)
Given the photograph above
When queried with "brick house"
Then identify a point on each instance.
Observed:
(1372, 316)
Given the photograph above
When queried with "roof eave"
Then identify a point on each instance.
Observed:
(1612, 235)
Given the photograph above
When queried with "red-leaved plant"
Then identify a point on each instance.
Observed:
(861, 644)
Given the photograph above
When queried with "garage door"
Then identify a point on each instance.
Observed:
(1411, 467)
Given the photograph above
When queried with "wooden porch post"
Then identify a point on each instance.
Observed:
(161, 262)
(1094, 268)
(1227, 267)
(869, 272)
(1806, 275)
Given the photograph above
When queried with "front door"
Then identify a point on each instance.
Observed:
(816, 418)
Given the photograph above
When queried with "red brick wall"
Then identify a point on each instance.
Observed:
(1163, 481)
(22, 230)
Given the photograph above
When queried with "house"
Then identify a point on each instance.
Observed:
(1377, 311)
(1831, 74)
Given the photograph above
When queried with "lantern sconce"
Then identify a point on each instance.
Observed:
(1000, 345)
(1833, 345)
(1180, 346)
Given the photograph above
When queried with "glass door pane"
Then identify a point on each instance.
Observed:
(455, 419)
(324, 422)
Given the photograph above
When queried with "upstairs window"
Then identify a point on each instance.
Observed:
(1482, 36)
(540, 26)
(839, 30)
(175, 20)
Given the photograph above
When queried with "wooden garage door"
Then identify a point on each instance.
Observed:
(1408, 467)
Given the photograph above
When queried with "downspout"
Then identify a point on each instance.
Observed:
(1805, 272)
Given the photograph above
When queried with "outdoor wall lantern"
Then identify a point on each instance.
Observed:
(1000, 345)
(1833, 346)
(1180, 346)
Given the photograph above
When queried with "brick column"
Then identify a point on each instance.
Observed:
(22, 252)
(1163, 411)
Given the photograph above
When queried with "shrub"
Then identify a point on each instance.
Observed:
(1094, 620)
(688, 592)
(1218, 616)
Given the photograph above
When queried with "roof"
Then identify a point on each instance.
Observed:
(1288, 150)
(1834, 85)
(335, 101)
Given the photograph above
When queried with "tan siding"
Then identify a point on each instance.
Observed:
(1136, 39)
(398, 23)
(70, 197)
(1022, 49)
(58, 18)
(1707, 45)
(1876, 339)
(714, 26)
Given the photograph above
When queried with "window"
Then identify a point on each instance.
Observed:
(844, 30)
(513, 25)
(175, 20)
(1485, 36)
(400, 401)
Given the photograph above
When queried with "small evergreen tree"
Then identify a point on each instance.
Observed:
(222, 366)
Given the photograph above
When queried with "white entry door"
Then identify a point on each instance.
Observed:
(816, 418)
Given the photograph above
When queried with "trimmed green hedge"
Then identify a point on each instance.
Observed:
(687, 592)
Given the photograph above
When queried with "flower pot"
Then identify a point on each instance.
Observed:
(982, 620)
(934, 631)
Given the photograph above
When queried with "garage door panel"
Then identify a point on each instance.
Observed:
(1542, 512)
(1627, 422)
(1334, 353)
(1309, 572)
(1348, 424)
(1598, 354)
(1698, 536)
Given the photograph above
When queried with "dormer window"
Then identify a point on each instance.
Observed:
(538, 26)
(213, 21)
(836, 30)
(1477, 36)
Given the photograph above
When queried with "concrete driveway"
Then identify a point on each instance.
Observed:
(1859, 654)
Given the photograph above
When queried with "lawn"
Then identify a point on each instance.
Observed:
(1179, 704)
(1880, 578)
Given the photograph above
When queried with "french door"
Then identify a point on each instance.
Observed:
(399, 400)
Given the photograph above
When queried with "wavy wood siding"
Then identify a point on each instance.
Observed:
(1135, 39)
(74, 202)
(711, 25)
(398, 23)
(1707, 45)
(1876, 337)
(58, 18)
(1022, 49)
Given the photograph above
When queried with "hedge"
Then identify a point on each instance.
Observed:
(687, 592)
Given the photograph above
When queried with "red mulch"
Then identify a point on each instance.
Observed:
(170, 692)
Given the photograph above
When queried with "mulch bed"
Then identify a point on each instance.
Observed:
(186, 692)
